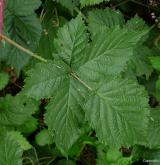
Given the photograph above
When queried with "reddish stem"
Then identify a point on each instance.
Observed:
(1, 14)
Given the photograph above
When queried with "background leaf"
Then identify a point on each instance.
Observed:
(10, 151)
(23, 27)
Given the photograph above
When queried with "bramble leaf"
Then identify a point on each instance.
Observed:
(99, 20)
(137, 24)
(71, 41)
(118, 112)
(46, 80)
(58, 82)
(140, 64)
(80, 66)
(108, 54)
(65, 116)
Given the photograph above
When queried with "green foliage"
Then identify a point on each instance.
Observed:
(50, 25)
(117, 109)
(29, 126)
(99, 20)
(43, 138)
(23, 143)
(111, 156)
(23, 27)
(140, 64)
(10, 151)
(89, 64)
(16, 110)
(153, 130)
(69, 4)
(155, 62)
(89, 101)
(137, 24)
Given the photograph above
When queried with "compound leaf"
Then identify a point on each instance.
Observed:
(75, 65)
(54, 79)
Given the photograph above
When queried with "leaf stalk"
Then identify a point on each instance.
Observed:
(27, 51)
(81, 81)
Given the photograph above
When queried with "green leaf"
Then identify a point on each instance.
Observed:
(65, 116)
(154, 129)
(29, 126)
(155, 62)
(15, 110)
(140, 64)
(50, 25)
(22, 7)
(20, 139)
(113, 155)
(91, 2)
(101, 154)
(108, 54)
(23, 27)
(44, 138)
(10, 151)
(125, 161)
(72, 41)
(44, 80)
(99, 19)
(118, 112)
(67, 93)
(136, 23)
(69, 4)
(4, 79)
(78, 65)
